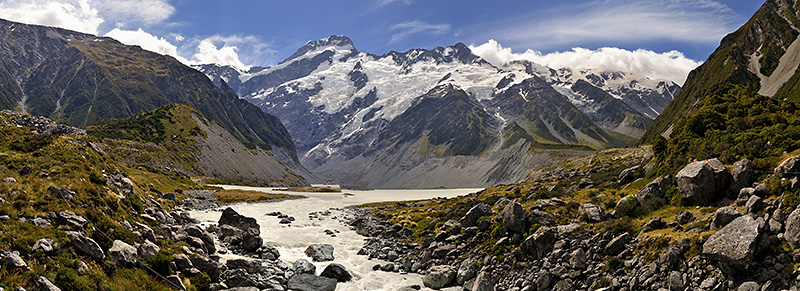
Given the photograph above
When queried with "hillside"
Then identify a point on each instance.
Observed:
(80, 79)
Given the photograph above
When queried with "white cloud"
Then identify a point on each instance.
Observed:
(146, 41)
(408, 28)
(208, 53)
(382, 3)
(615, 21)
(135, 12)
(672, 65)
(76, 15)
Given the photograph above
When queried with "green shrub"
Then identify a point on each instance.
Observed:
(790, 201)
(160, 262)
(68, 279)
(612, 264)
(96, 178)
(628, 207)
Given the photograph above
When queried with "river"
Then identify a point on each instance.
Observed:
(292, 240)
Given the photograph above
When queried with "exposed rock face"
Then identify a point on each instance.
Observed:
(789, 168)
(336, 271)
(308, 282)
(208, 240)
(439, 277)
(46, 285)
(703, 182)
(320, 252)
(148, 249)
(540, 243)
(741, 175)
(483, 282)
(233, 218)
(44, 244)
(474, 213)
(734, 246)
(792, 234)
(514, 218)
(14, 261)
(628, 175)
(123, 253)
(541, 218)
(723, 216)
(652, 195)
(591, 213)
(617, 245)
(71, 220)
(86, 245)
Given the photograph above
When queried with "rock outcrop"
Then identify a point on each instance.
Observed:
(735, 246)
(703, 182)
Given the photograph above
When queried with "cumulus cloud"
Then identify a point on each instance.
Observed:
(671, 65)
(409, 28)
(76, 15)
(135, 12)
(382, 3)
(616, 21)
(208, 53)
(147, 41)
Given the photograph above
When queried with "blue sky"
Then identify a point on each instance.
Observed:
(256, 32)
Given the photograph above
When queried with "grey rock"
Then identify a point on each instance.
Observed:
(626, 206)
(475, 213)
(122, 253)
(577, 259)
(546, 280)
(628, 175)
(182, 262)
(618, 244)
(734, 246)
(46, 285)
(676, 281)
(540, 243)
(703, 182)
(744, 194)
(652, 194)
(71, 220)
(238, 278)
(320, 252)
(175, 282)
(792, 234)
(742, 175)
(541, 218)
(655, 223)
(483, 282)
(564, 285)
(205, 236)
(208, 266)
(14, 261)
(438, 277)
(61, 192)
(591, 213)
(9, 180)
(247, 264)
(514, 218)
(338, 272)
(252, 242)
(308, 282)
(85, 245)
(685, 217)
(788, 168)
(753, 204)
(147, 249)
(466, 271)
(40, 222)
(749, 286)
(44, 244)
(723, 216)
(233, 218)
(303, 266)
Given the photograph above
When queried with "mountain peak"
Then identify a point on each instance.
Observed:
(338, 41)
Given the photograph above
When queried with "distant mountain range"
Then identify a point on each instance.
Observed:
(423, 109)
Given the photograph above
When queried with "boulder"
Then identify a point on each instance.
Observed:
(122, 253)
(626, 206)
(9, 180)
(208, 266)
(247, 264)
(749, 286)
(175, 282)
(440, 276)
(723, 216)
(684, 217)
(252, 242)
(205, 236)
(652, 194)
(44, 244)
(742, 175)
(539, 217)
(591, 213)
(789, 168)
(338, 272)
(514, 218)
(655, 223)
(618, 244)
(61, 192)
(540, 244)
(628, 175)
(753, 204)
(85, 245)
(466, 271)
(475, 213)
(182, 262)
(577, 259)
(230, 234)
(233, 218)
(147, 249)
(734, 246)
(308, 282)
(320, 252)
(14, 261)
(703, 182)
(745, 194)
(71, 220)
(483, 282)
(46, 285)
(238, 278)
(303, 266)
(792, 234)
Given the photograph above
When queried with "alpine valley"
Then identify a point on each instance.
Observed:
(442, 117)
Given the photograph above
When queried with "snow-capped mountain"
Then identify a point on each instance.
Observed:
(348, 108)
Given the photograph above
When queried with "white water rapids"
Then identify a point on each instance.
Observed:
(292, 240)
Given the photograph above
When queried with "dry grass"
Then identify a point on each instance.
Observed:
(235, 196)
(323, 189)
